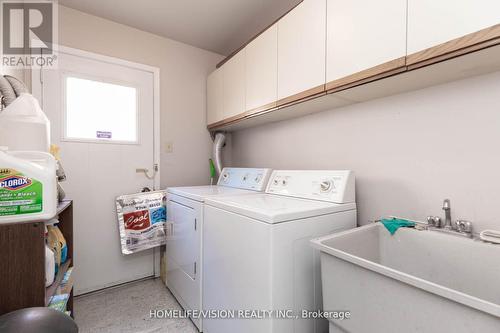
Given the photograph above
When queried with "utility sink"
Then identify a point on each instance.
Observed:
(413, 281)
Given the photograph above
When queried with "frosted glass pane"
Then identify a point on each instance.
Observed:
(100, 111)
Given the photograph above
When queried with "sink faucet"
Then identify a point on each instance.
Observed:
(447, 214)
(458, 227)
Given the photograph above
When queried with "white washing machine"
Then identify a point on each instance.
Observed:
(184, 248)
(257, 254)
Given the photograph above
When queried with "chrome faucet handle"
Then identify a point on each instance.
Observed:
(430, 221)
(434, 221)
(463, 226)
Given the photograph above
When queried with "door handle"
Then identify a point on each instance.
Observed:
(146, 171)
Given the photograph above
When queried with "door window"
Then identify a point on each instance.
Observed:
(99, 111)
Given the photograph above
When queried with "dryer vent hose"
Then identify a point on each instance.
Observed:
(219, 141)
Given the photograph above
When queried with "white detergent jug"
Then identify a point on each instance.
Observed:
(50, 266)
(24, 126)
(28, 186)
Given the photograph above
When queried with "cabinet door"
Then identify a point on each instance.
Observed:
(301, 50)
(364, 34)
(262, 70)
(215, 96)
(234, 85)
(432, 22)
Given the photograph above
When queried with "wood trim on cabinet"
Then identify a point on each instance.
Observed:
(246, 114)
(303, 95)
(226, 121)
(459, 46)
(260, 109)
(371, 74)
(226, 59)
(282, 103)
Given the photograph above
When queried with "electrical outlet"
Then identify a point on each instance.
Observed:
(169, 147)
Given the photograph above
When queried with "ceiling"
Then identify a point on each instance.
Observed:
(220, 26)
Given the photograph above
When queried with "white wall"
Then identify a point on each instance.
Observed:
(183, 70)
(409, 151)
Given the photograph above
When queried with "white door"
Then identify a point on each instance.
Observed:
(356, 31)
(301, 49)
(261, 72)
(102, 114)
(432, 22)
(234, 85)
(215, 96)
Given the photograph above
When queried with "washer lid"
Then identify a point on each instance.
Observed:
(199, 193)
(272, 208)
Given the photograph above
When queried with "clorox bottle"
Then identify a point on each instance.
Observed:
(24, 126)
(28, 186)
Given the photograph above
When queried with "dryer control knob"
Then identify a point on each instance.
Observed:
(326, 185)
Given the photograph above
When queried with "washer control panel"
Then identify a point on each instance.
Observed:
(245, 178)
(326, 185)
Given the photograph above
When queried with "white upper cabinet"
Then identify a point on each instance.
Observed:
(301, 48)
(432, 22)
(215, 96)
(234, 85)
(363, 34)
(262, 69)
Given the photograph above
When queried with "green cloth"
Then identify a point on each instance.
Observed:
(394, 224)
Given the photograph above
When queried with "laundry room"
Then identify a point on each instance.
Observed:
(274, 166)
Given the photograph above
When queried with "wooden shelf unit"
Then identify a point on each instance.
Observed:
(22, 262)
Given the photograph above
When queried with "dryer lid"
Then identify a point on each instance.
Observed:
(199, 193)
(231, 181)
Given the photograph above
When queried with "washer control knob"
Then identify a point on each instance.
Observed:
(284, 182)
(326, 185)
(225, 177)
(275, 182)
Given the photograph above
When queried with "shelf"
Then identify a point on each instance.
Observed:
(22, 262)
(63, 205)
(51, 290)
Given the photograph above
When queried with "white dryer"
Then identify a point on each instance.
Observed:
(184, 248)
(257, 254)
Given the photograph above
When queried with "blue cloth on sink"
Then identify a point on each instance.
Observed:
(394, 224)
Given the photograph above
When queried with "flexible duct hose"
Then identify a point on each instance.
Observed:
(219, 140)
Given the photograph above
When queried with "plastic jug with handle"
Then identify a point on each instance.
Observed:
(28, 186)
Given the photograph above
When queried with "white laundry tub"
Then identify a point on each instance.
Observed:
(414, 281)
